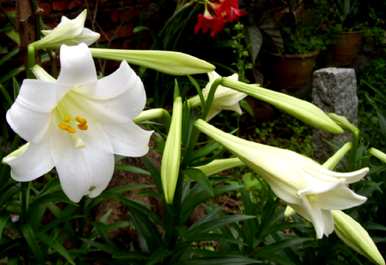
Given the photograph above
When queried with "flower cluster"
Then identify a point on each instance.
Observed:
(218, 13)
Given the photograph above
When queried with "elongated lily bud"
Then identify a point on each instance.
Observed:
(344, 123)
(309, 188)
(356, 237)
(69, 32)
(219, 165)
(378, 154)
(301, 109)
(337, 157)
(152, 114)
(170, 164)
(169, 62)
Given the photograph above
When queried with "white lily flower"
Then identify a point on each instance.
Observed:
(68, 31)
(77, 123)
(224, 98)
(309, 188)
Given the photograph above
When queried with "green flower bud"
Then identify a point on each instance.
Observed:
(356, 237)
(301, 109)
(219, 165)
(169, 62)
(170, 164)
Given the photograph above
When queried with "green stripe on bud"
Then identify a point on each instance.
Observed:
(301, 109)
(219, 165)
(170, 164)
(169, 62)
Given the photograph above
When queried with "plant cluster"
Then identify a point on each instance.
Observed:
(186, 210)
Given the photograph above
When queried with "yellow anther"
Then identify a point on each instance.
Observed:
(83, 126)
(66, 127)
(80, 119)
(82, 123)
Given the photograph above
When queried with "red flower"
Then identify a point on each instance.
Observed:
(219, 13)
(229, 10)
(208, 23)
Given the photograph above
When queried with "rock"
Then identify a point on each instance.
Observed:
(334, 90)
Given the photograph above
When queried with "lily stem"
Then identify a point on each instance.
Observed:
(31, 59)
(24, 200)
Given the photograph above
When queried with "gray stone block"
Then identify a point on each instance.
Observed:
(334, 90)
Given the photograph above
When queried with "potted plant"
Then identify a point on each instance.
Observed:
(345, 26)
(290, 66)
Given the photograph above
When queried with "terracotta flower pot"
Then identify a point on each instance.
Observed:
(346, 48)
(290, 72)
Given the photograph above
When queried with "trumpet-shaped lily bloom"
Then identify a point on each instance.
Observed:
(68, 31)
(77, 123)
(309, 188)
(224, 98)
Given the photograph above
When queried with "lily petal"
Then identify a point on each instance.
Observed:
(128, 139)
(29, 161)
(315, 214)
(82, 171)
(123, 80)
(338, 199)
(77, 65)
(354, 176)
(88, 36)
(29, 116)
(328, 221)
(29, 125)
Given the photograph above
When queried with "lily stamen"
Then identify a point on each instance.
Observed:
(82, 123)
(67, 127)
(68, 124)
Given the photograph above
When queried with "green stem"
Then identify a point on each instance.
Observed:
(31, 59)
(24, 201)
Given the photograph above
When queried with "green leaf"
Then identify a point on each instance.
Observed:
(31, 239)
(198, 195)
(3, 223)
(213, 224)
(57, 246)
(132, 169)
(201, 179)
(271, 249)
(222, 260)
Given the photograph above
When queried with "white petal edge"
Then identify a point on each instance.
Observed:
(128, 139)
(339, 198)
(316, 217)
(88, 36)
(352, 177)
(76, 65)
(29, 125)
(328, 221)
(29, 161)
